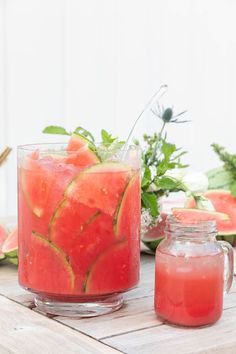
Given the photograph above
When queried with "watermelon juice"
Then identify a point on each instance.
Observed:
(189, 291)
(190, 270)
(79, 222)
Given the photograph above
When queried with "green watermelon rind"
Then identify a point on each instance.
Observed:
(35, 210)
(121, 207)
(60, 254)
(96, 261)
(10, 252)
(13, 260)
(2, 256)
(103, 167)
(152, 244)
(61, 206)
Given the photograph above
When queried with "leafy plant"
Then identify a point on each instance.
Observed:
(229, 166)
(158, 157)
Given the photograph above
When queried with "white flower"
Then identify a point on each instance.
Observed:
(195, 182)
(176, 173)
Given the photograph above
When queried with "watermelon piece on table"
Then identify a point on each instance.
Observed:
(112, 271)
(82, 233)
(223, 202)
(3, 236)
(100, 186)
(155, 235)
(81, 152)
(10, 247)
(45, 268)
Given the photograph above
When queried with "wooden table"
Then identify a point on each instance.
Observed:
(133, 329)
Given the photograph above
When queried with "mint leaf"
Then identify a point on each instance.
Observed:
(168, 184)
(107, 139)
(85, 133)
(147, 177)
(149, 201)
(54, 129)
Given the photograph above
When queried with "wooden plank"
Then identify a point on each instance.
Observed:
(10, 288)
(220, 338)
(136, 314)
(24, 331)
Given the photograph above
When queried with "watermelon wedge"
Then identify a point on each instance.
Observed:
(43, 181)
(112, 271)
(81, 152)
(3, 236)
(82, 233)
(10, 247)
(223, 202)
(154, 236)
(192, 216)
(45, 268)
(128, 212)
(100, 186)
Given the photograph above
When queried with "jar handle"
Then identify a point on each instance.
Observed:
(229, 264)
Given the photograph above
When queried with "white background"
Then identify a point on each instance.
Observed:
(96, 63)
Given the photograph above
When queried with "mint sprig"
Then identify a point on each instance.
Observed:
(107, 148)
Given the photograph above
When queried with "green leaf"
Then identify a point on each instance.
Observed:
(168, 183)
(107, 138)
(54, 129)
(85, 133)
(168, 149)
(147, 177)
(149, 201)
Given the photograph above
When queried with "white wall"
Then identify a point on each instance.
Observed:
(96, 63)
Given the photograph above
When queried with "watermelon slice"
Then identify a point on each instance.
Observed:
(43, 181)
(81, 152)
(154, 236)
(82, 233)
(223, 202)
(192, 216)
(45, 268)
(127, 222)
(112, 271)
(10, 247)
(3, 236)
(100, 186)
